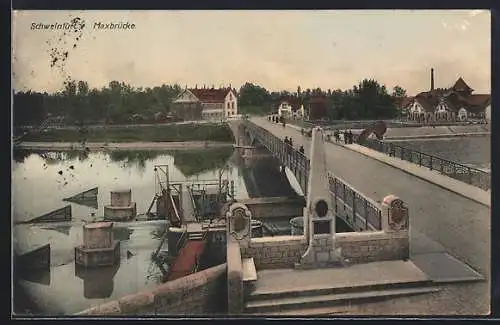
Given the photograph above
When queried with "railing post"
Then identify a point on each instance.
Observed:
(402, 153)
(441, 165)
(419, 158)
(353, 207)
(469, 170)
(431, 163)
(365, 204)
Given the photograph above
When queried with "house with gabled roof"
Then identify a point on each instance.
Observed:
(206, 103)
(457, 103)
(291, 106)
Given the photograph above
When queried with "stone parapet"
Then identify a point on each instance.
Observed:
(357, 247)
(197, 294)
(235, 291)
(275, 252)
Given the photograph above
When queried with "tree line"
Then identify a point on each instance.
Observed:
(119, 102)
(367, 100)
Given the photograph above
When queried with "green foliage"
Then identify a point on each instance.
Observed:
(119, 102)
(153, 133)
(113, 104)
(254, 110)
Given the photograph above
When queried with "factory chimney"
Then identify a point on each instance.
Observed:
(432, 79)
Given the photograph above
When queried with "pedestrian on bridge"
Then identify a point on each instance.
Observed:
(286, 141)
(336, 135)
(290, 142)
(350, 137)
(345, 136)
(301, 149)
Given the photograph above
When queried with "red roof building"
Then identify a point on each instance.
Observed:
(206, 103)
(456, 103)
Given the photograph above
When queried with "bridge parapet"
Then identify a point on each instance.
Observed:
(463, 173)
(297, 162)
(357, 210)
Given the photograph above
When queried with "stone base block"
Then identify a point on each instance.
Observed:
(317, 258)
(93, 257)
(120, 213)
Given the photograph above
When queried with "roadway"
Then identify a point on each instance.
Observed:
(460, 225)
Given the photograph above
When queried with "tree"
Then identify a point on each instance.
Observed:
(398, 92)
(253, 95)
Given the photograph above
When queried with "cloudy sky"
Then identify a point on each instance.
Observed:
(276, 49)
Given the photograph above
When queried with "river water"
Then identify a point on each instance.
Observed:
(474, 151)
(42, 179)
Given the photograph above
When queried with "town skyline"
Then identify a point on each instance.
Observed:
(278, 50)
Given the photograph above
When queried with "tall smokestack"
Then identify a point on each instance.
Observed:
(432, 79)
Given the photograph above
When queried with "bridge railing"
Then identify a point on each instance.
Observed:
(365, 211)
(446, 167)
(296, 161)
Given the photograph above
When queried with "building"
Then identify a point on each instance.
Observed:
(487, 113)
(291, 107)
(403, 104)
(206, 103)
(454, 104)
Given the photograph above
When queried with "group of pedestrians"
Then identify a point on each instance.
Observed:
(289, 142)
(348, 136)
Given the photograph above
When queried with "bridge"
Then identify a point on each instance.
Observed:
(440, 216)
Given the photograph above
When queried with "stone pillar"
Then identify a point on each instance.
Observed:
(98, 235)
(319, 215)
(394, 214)
(121, 208)
(239, 226)
(99, 247)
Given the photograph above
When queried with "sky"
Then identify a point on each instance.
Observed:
(278, 50)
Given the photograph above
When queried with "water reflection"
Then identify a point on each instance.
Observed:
(193, 162)
(122, 233)
(98, 283)
(63, 229)
(35, 276)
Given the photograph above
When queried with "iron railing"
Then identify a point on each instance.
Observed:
(363, 209)
(288, 156)
(446, 167)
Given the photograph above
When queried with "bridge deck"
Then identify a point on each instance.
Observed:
(461, 225)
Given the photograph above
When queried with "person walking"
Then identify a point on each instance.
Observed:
(345, 136)
(290, 142)
(301, 149)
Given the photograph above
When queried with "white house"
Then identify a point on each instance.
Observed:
(207, 103)
(487, 113)
(291, 107)
(285, 109)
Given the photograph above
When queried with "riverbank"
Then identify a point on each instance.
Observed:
(59, 146)
(214, 132)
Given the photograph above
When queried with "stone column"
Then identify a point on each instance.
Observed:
(319, 215)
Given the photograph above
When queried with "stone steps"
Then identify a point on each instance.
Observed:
(330, 290)
(195, 236)
(324, 303)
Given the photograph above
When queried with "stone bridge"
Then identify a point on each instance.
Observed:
(444, 214)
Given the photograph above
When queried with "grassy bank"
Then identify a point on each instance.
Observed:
(153, 133)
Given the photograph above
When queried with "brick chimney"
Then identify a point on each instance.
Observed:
(432, 79)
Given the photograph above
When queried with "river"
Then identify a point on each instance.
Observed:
(42, 179)
(474, 151)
